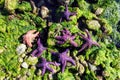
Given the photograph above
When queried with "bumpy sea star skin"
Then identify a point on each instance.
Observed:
(63, 59)
(29, 37)
(40, 48)
(66, 14)
(89, 42)
(45, 66)
(66, 35)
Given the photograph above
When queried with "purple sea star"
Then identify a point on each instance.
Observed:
(45, 66)
(89, 42)
(66, 14)
(40, 48)
(63, 59)
(66, 35)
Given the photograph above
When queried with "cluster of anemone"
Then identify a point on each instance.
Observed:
(62, 57)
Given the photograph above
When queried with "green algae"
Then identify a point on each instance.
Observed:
(106, 56)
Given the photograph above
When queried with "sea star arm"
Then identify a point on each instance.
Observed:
(43, 70)
(59, 37)
(67, 18)
(61, 19)
(39, 65)
(88, 34)
(60, 42)
(38, 54)
(72, 13)
(65, 52)
(50, 69)
(95, 43)
(83, 47)
(63, 66)
(51, 63)
(70, 60)
(73, 43)
(34, 52)
(83, 36)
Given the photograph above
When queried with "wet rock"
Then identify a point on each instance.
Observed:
(92, 67)
(99, 11)
(24, 65)
(21, 48)
(93, 24)
(44, 12)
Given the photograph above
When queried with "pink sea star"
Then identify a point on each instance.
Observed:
(29, 37)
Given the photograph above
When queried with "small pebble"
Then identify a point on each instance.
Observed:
(21, 48)
(64, 1)
(24, 65)
(81, 69)
(93, 24)
(50, 77)
(105, 74)
(23, 55)
(85, 63)
(20, 59)
(92, 67)
(44, 12)
(99, 77)
(99, 11)
(39, 72)
(33, 67)
(28, 73)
